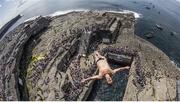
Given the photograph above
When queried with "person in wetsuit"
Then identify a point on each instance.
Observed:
(104, 69)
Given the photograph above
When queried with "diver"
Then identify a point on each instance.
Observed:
(104, 69)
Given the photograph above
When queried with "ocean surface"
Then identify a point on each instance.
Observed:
(149, 13)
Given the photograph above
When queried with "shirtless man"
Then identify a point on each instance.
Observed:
(104, 69)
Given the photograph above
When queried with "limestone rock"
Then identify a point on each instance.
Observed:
(11, 52)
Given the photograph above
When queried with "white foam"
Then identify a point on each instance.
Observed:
(176, 64)
(173, 62)
(32, 18)
(136, 15)
(57, 13)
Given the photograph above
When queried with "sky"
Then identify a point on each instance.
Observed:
(178, 0)
(10, 8)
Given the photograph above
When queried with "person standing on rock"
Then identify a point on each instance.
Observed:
(104, 69)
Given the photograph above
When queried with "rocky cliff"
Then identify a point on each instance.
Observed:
(39, 59)
(6, 27)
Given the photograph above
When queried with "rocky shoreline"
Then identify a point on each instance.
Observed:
(39, 58)
(5, 28)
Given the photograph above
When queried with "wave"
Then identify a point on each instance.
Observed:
(32, 18)
(175, 63)
(136, 15)
(58, 13)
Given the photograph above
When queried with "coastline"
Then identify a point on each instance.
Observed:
(59, 13)
(10, 23)
(63, 12)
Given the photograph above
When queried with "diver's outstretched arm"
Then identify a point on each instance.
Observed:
(91, 78)
(121, 69)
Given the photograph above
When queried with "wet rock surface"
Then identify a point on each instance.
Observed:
(41, 60)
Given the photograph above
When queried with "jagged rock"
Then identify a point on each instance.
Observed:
(173, 33)
(115, 29)
(159, 27)
(149, 35)
(111, 23)
(11, 56)
(126, 60)
(178, 90)
(85, 41)
(106, 40)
